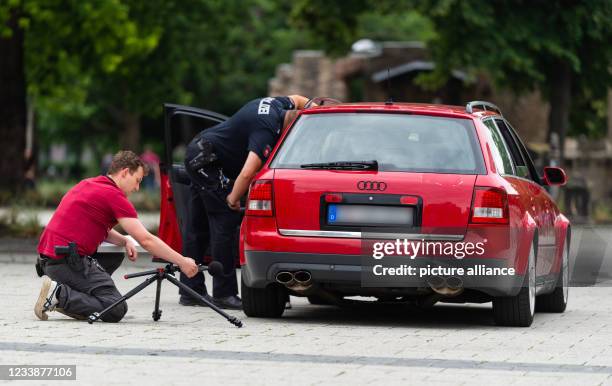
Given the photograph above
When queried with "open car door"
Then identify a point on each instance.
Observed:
(181, 124)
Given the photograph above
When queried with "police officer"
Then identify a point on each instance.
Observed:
(221, 162)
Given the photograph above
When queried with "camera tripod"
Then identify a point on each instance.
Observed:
(158, 275)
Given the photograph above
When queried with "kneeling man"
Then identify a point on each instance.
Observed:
(86, 216)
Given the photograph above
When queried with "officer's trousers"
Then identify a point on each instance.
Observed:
(210, 215)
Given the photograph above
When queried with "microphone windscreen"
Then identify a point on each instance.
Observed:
(215, 269)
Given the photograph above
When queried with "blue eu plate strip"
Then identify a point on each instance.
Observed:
(331, 213)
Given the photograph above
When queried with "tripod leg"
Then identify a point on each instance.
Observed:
(232, 319)
(98, 315)
(157, 312)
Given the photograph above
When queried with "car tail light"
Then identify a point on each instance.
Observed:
(489, 206)
(260, 199)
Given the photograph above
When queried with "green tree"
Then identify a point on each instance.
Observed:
(560, 47)
(52, 50)
(96, 69)
(86, 65)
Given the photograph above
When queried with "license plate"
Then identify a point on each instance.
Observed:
(369, 215)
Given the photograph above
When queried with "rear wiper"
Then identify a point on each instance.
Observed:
(347, 165)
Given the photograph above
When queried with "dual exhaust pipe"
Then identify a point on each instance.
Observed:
(446, 286)
(299, 281)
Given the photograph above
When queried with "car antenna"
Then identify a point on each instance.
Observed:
(389, 101)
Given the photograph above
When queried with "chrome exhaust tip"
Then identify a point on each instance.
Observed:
(449, 287)
(436, 282)
(302, 277)
(285, 278)
(454, 283)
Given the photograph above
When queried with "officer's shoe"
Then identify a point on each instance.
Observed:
(47, 298)
(186, 300)
(232, 302)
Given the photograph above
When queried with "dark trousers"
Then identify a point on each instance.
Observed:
(87, 291)
(210, 222)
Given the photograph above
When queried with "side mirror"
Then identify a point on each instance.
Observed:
(554, 176)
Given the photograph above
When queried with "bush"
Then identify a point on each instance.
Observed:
(49, 193)
(602, 213)
(16, 225)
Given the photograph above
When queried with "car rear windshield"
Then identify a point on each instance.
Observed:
(398, 142)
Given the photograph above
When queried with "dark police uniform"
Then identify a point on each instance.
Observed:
(213, 159)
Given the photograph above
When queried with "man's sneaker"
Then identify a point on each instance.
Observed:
(229, 302)
(47, 299)
(186, 300)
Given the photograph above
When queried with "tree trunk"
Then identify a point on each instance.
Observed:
(12, 107)
(560, 103)
(129, 138)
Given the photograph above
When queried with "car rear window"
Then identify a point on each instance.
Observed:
(399, 142)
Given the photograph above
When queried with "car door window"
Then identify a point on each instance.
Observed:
(533, 173)
(501, 155)
(517, 157)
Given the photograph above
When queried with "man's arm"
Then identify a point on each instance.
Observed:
(117, 238)
(155, 246)
(299, 101)
(241, 185)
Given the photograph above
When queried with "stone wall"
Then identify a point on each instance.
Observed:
(311, 73)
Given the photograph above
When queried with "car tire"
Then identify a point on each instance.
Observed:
(556, 301)
(268, 302)
(518, 311)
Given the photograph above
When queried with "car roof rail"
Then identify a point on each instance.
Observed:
(469, 107)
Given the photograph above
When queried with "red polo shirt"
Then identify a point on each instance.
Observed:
(85, 215)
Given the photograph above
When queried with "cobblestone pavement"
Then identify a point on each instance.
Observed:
(312, 344)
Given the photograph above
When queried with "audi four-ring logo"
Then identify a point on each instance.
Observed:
(371, 185)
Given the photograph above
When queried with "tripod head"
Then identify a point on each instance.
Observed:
(215, 268)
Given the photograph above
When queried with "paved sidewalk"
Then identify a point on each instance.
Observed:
(312, 344)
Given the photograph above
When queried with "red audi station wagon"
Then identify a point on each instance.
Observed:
(348, 186)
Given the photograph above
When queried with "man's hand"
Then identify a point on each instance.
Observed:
(130, 250)
(188, 267)
(233, 203)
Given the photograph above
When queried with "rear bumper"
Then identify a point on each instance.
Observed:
(354, 273)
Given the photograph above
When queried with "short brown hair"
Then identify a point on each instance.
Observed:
(127, 159)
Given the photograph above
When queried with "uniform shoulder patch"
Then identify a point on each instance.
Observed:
(264, 106)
